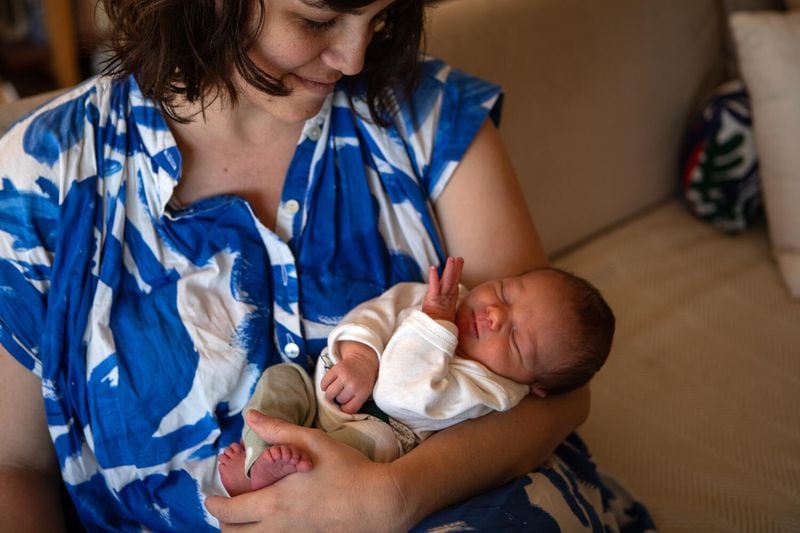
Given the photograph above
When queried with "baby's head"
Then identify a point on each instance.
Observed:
(546, 328)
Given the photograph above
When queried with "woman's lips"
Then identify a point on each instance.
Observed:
(319, 87)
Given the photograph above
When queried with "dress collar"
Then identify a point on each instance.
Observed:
(162, 149)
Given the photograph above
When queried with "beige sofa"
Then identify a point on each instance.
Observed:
(697, 409)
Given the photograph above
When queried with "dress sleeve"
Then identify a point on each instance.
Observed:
(31, 159)
(447, 109)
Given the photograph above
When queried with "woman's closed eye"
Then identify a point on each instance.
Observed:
(318, 25)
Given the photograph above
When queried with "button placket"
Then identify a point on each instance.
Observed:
(288, 332)
(291, 350)
(314, 132)
(292, 206)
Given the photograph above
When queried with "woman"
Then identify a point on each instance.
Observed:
(253, 171)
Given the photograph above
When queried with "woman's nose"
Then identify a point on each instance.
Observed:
(346, 51)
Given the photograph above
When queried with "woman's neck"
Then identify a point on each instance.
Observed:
(241, 150)
(245, 125)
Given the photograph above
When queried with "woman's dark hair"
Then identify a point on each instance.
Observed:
(189, 48)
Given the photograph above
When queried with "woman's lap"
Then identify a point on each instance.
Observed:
(565, 494)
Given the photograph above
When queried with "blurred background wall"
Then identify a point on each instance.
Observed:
(48, 44)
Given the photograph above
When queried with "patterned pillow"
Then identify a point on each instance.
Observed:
(720, 168)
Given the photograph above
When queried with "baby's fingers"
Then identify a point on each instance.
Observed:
(333, 390)
(353, 405)
(433, 281)
(329, 377)
(433, 286)
(451, 275)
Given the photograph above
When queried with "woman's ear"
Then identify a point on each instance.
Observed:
(538, 391)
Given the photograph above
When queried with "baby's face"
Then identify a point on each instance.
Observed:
(513, 326)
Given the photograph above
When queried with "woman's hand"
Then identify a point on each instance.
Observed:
(343, 492)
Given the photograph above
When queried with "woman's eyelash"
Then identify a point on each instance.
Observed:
(378, 23)
(317, 25)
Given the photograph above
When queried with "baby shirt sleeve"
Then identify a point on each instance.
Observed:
(421, 383)
(373, 322)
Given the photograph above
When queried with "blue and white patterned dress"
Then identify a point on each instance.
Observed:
(150, 324)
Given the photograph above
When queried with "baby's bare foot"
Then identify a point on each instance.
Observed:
(277, 462)
(231, 470)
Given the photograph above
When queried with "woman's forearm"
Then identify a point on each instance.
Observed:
(481, 454)
(29, 479)
(30, 501)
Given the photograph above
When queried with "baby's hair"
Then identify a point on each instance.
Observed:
(589, 343)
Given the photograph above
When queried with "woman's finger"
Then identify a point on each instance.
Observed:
(279, 431)
(243, 509)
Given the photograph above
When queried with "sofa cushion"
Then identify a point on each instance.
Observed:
(696, 408)
(768, 46)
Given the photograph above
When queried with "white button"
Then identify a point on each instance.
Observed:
(314, 133)
(292, 350)
(292, 206)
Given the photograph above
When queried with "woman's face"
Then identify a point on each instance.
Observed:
(308, 47)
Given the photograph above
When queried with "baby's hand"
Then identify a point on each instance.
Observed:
(350, 381)
(441, 299)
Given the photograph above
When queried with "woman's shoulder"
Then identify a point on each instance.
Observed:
(440, 87)
(430, 129)
(61, 121)
(100, 115)
(444, 88)
(69, 101)
(434, 70)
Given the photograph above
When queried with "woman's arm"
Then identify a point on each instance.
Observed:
(485, 220)
(485, 452)
(483, 215)
(29, 479)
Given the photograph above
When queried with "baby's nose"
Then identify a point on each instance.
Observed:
(495, 316)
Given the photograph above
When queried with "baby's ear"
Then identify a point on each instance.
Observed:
(538, 391)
